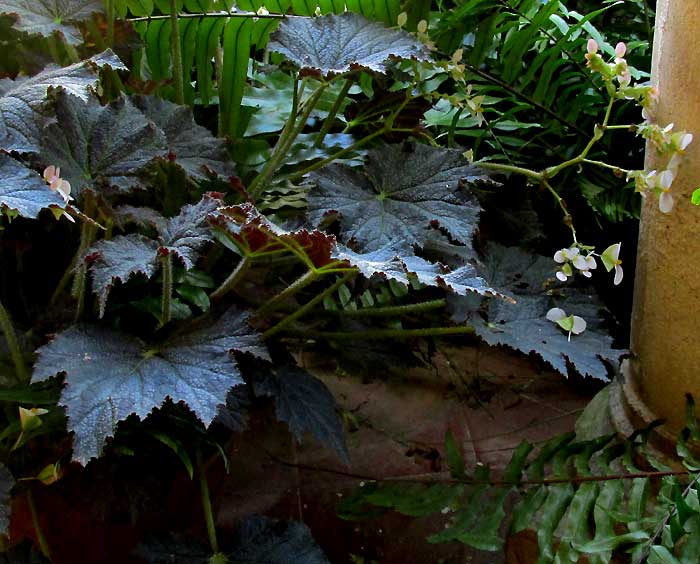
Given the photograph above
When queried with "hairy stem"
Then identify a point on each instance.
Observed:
(176, 53)
(206, 503)
(602, 164)
(498, 167)
(167, 292)
(307, 307)
(328, 123)
(15, 351)
(384, 333)
(296, 286)
(391, 311)
(88, 230)
(234, 278)
(285, 142)
(43, 545)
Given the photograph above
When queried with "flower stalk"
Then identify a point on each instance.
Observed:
(11, 339)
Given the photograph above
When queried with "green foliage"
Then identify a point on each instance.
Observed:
(583, 497)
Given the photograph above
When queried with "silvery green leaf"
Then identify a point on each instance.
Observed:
(24, 191)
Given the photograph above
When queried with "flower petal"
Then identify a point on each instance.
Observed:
(579, 325)
(559, 256)
(620, 50)
(618, 274)
(561, 276)
(555, 314)
(666, 202)
(592, 46)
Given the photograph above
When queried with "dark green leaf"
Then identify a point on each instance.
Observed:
(22, 99)
(96, 144)
(49, 16)
(405, 190)
(304, 403)
(186, 234)
(178, 448)
(22, 190)
(335, 44)
(173, 549)
(110, 376)
(119, 259)
(262, 540)
(192, 146)
(523, 325)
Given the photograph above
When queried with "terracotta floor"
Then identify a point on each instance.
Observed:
(490, 399)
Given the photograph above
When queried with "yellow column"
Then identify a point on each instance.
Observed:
(666, 314)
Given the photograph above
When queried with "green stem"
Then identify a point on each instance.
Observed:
(385, 333)
(328, 123)
(176, 52)
(339, 155)
(71, 52)
(296, 286)
(498, 167)
(215, 15)
(206, 503)
(307, 307)
(234, 278)
(285, 143)
(552, 171)
(15, 351)
(602, 164)
(52, 42)
(390, 311)
(43, 545)
(87, 236)
(167, 294)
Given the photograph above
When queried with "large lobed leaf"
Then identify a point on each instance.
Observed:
(100, 145)
(49, 16)
(22, 99)
(304, 403)
(396, 261)
(110, 376)
(192, 146)
(523, 325)
(404, 191)
(335, 44)
(23, 191)
(122, 257)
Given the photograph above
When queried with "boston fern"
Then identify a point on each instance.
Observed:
(175, 271)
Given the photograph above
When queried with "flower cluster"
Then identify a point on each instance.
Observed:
(617, 70)
(572, 260)
(671, 145)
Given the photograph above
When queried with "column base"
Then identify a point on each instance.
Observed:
(629, 413)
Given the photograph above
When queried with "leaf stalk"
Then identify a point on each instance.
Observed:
(11, 338)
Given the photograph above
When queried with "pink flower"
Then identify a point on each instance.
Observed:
(52, 175)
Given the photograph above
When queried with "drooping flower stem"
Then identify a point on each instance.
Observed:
(308, 306)
(176, 53)
(394, 311)
(166, 262)
(8, 332)
(41, 539)
(206, 503)
(328, 123)
(234, 278)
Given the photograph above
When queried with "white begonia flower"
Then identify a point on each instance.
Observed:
(661, 185)
(611, 260)
(585, 265)
(569, 323)
(592, 46)
(566, 257)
